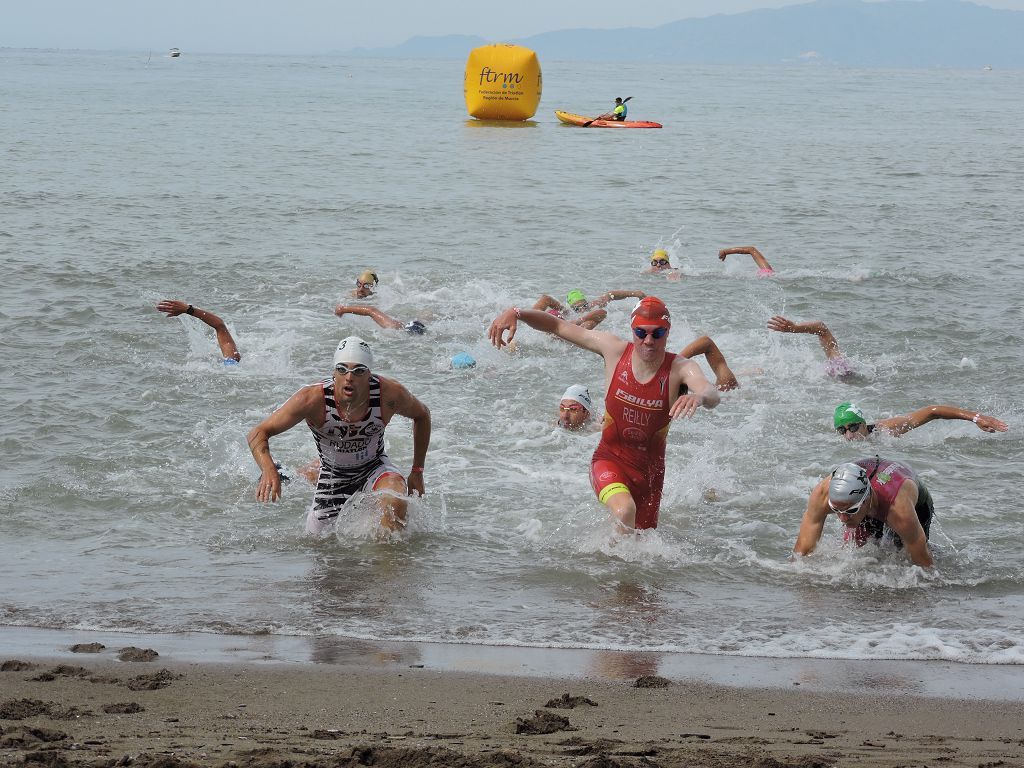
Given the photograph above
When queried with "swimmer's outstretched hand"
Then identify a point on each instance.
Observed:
(685, 405)
(782, 325)
(269, 486)
(172, 308)
(991, 424)
(506, 321)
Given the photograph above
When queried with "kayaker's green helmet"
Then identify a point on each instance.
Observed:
(575, 297)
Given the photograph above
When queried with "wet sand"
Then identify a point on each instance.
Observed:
(90, 708)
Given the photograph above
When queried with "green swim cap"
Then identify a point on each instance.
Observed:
(847, 413)
(575, 297)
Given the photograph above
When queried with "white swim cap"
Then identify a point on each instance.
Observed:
(580, 394)
(849, 484)
(353, 350)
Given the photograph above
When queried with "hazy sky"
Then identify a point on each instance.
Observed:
(311, 26)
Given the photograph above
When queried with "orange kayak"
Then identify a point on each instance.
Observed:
(570, 119)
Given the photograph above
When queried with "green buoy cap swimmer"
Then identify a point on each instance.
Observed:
(575, 297)
(352, 349)
(847, 413)
(579, 394)
(463, 360)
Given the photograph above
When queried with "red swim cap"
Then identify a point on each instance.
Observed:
(651, 311)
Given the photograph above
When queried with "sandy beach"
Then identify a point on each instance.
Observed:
(103, 706)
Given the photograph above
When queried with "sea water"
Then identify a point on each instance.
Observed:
(258, 187)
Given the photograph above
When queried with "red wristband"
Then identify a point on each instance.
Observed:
(416, 469)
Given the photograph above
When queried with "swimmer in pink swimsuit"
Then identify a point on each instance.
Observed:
(764, 269)
(870, 496)
(836, 364)
(642, 383)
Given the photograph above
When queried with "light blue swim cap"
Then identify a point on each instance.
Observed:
(230, 361)
(463, 360)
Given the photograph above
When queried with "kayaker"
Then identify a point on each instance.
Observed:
(620, 110)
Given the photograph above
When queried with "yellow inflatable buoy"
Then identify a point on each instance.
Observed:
(503, 82)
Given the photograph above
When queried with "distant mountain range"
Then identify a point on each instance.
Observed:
(898, 33)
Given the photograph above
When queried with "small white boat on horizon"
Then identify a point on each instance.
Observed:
(174, 53)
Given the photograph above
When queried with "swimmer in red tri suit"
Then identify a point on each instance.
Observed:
(628, 468)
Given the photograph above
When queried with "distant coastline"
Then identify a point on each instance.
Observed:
(894, 34)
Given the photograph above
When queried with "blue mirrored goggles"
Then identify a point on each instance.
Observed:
(641, 333)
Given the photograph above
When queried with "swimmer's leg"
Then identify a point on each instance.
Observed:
(609, 482)
(620, 503)
(392, 504)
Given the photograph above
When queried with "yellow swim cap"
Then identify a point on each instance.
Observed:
(661, 253)
(369, 276)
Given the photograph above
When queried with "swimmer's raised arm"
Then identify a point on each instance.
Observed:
(382, 319)
(546, 302)
(725, 380)
(598, 342)
(228, 348)
(751, 251)
(900, 425)
(604, 298)
(818, 328)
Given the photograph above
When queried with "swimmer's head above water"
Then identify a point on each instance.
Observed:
(659, 259)
(365, 283)
(577, 300)
(849, 422)
(848, 489)
(575, 407)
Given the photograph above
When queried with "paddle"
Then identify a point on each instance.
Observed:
(603, 117)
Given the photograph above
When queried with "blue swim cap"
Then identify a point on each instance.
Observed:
(463, 360)
(415, 327)
(230, 361)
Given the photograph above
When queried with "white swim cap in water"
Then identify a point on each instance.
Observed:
(580, 394)
(849, 485)
(353, 350)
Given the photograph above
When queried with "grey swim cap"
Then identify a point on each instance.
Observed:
(849, 485)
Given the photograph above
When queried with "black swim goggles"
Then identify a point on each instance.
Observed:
(659, 262)
(842, 430)
(356, 370)
(641, 333)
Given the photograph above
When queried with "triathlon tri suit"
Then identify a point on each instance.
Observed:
(352, 457)
(631, 454)
(887, 477)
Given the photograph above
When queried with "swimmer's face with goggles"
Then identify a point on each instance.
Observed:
(852, 515)
(649, 341)
(856, 431)
(351, 384)
(572, 415)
